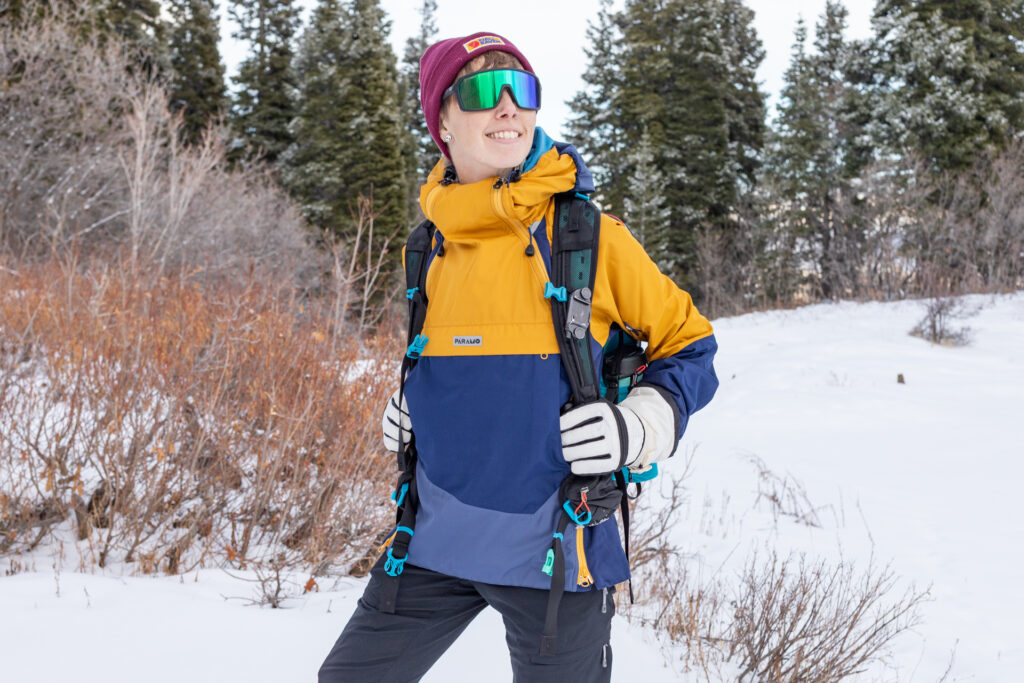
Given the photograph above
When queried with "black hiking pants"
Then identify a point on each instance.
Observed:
(433, 609)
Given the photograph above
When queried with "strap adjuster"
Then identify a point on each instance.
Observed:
(394, 565)
(577, 320)
(399, 495)
(558, 292)
(632, 477)
(417, 346)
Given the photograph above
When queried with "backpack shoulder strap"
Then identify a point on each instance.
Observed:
(417, 253)
(574, 239)
(406, 497)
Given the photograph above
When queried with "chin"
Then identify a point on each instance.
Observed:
(516, 157)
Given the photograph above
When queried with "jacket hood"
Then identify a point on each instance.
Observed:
(469, 212)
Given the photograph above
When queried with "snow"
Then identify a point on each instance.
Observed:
(923, 476)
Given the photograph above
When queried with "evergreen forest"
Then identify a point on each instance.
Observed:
(889, 167)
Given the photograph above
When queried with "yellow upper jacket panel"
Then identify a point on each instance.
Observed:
(485, 395)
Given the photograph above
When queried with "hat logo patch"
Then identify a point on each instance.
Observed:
(482, 41)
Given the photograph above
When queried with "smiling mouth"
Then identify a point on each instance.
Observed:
(505, 135)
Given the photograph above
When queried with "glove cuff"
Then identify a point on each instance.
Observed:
(657, 420)
(635, 434)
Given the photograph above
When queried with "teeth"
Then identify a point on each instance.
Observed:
(504, 135)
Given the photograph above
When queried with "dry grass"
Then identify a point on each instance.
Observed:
(184, 379)
(180, 424)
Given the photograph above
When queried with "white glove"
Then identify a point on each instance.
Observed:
(659, 419)
(396, 418)
(599, 437)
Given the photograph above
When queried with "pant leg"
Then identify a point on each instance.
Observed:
(431, 611)
(583, 653)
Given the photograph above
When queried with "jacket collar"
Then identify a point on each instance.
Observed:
(469, 212)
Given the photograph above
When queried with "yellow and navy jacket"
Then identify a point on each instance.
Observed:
(485, 395)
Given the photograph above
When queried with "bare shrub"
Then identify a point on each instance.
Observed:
(173, 380)
(785, 496)
(1001, 219)
(93, 158)
(61, 100)
(180, 424)
(943, 309)
(731, 275)
(876, 203)
(797, 621)
(714, 273)
(669, 598)
(186, 208)
(690, 610)
(791, 620)
(939, 324)
(941, 236)
(784, 621)
(899, 230)
(359, 269)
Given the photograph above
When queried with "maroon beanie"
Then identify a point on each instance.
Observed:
(440, 64)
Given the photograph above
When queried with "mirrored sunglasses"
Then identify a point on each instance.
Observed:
(482, 90)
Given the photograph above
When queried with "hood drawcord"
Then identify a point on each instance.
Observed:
(450, 176)
(513, 176)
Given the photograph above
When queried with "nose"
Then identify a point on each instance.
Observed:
(506, 106)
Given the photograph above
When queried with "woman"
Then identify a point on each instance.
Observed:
(485, 398)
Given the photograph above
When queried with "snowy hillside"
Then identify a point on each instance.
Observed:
(924, 476)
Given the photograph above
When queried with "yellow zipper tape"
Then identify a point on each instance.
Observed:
(584, 579)
(385, 544)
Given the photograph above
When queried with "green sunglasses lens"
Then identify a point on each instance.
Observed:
(483, 90)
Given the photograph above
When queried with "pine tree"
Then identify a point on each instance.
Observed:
(264, 105)
(685, 72)
(745, 103)
(810, 169)
(138, 24)
(646, 213)
(421, 153)
(594, 122)
(348, 128)
(197, 83)
(950, 75)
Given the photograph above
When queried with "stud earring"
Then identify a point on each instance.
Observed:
(447, 138)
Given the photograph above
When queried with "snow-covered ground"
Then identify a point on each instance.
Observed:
(924, 475)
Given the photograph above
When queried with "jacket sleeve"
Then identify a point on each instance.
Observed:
(681, 345)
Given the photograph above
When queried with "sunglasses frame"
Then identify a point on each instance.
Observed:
(454, 90)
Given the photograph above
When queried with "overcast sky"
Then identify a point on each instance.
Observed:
(551, 33)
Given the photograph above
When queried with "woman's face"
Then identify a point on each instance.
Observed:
(488, 143)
